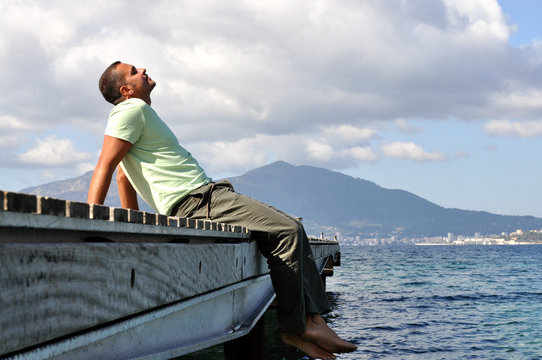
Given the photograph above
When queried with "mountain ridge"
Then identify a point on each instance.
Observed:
(330, 201)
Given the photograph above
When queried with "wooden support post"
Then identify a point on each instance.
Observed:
(327, 270)
(248, 347)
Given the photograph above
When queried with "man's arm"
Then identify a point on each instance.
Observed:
(127, 193)
(113, 150)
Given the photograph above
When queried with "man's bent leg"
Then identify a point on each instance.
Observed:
(282, 245)
(316, 301)
(295, 277)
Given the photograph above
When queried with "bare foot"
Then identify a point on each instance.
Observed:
(309, 348)
(317, 332)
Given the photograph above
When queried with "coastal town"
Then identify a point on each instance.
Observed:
(518, 237)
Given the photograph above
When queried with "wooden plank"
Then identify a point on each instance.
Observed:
(50, 290)
(161, 220)
(21, 202)
(32, 204)
(183, 222)
(77, 210)
(20, 222)
(135, 216)
(118, 214)
(172, 221)
(149, 218)
(50, 206)
(99, 212)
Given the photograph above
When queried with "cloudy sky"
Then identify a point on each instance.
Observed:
(442, 98)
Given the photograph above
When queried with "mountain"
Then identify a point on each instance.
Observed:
(76, 189)
(359, 207)
(332, 202)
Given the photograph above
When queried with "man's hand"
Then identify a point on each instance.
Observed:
(113, 150)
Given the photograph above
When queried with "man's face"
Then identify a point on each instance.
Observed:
(137, 79)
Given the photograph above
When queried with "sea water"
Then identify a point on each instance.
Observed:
(430, 302)
(439, 302)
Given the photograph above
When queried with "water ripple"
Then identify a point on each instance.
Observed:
(439, 302)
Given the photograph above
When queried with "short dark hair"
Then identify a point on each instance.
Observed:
(110, 83)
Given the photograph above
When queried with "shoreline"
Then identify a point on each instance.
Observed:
(437, 244)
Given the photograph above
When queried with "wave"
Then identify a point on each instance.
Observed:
(513, 296)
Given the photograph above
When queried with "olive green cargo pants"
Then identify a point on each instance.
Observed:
(296, 281)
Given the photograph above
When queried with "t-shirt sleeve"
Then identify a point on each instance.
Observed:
(125, 122)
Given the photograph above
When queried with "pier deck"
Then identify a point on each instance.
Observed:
(88, 281)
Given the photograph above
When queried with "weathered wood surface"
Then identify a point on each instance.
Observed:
(112, 223)
(167, 332)
(70, 287)
(61, 275)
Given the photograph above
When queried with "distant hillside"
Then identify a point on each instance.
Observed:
(76, 189)
(332, 202)
(354, 206)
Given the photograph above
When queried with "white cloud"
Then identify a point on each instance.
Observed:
(46, 24)
(405, 127)
(223, 156)
(8, 141)
(522, 101)
(524, 129)
(248, 81)
(348, 134)
(289, 65)
(85, 167)
(8, 122)
(360, 154)
(334, 148)
(324, 154)
(52, 151)
(318, 151)
(484, 18)
(411, 151)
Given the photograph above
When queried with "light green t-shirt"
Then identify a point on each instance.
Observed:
(160, 170)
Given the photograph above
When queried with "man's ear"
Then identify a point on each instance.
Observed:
(126, 90)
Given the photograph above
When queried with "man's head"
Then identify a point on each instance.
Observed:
(122, 81)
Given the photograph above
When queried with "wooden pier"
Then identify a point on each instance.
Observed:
(93, 282)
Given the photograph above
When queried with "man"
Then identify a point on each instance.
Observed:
(151, 163)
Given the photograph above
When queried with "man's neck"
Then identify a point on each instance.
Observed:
(147, 100)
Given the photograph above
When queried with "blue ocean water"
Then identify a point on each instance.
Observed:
(439, 302)
(429, 302)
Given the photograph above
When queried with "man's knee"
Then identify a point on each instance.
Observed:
(293, 231)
